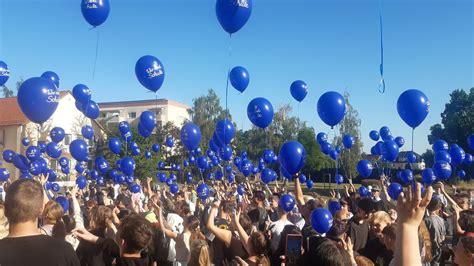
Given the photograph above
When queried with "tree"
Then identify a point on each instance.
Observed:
(348, 159)
(315, 159)
(428, 158)
(457, 119)
(206, 111)
(7, 93)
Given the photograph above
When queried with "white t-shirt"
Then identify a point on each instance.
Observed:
(276, 229)
(176, 223)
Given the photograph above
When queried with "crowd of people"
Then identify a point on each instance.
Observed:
(112, 226)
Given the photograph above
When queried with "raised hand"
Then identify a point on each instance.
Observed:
(411, 206)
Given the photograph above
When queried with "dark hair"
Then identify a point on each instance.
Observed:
(468, 243)
(136, 232)
(288, 229)
(260, 247)
(259, 195)
(435, 204)
(338, 228)
(23, 201)
(323, 251)
(245, 222)
(390, 231)
(366, 205)
(466, 220)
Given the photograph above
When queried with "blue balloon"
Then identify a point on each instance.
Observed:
(4, 73)
(23, 176)
(135, 188)
(219, 174)
(81, 93)
(239, 78)
(390, 150)
(155, 148)
(326, 148)
(267, 175)
(202, 191)
(260, 112)
(364, 167)
(338, 149)
(95, 12)
(470, 141)
(287, 202)
(169, 141)
(57, 134)
(309, 183)
(190, 136)
(457, 154)
(80, 106)
(292, 156)
(87, 132)
(148, 120)
(225, 131)
(25, 142)
(81, 182)
(63, 201)
(115, 145)
(124, 127)
(440, 145)
(150, 72)
(384, 132)
(20, 162)
(413, 106)
(228, 168)
(162, 177)
(148, 154)
(302, 178)
(227, 153)
(331, 108)
(268, 156)
(334, 206)
(374, 135)
(103, 166)
(119, 179)
(339, 179)
(333, 154)
(321, 220)
(174, 188)
(91, 109)
(468, 159)
(411, 157)
(53, 150)
(394, 190)
(298, 90)
(231, 178)
(348, 141)
(55, 187)
(322, 138)
(400, 141)
(202, 162)
(8, 156)
(407, 176)
(363, 191)
(94, 174)
(233, 14)
(79, 168)
(143, 131)
(246, 167)
(53, 77)
(4, 174)
(461, 174)
(35, 168)
(32, 153)
(240, 190)
(78, 150)
(38, 99)
(442, 170)
(442, 156)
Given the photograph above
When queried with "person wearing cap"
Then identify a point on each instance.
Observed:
(377, 202)
(358, 227)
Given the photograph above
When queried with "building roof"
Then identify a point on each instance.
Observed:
(11, 114)
(142, 103)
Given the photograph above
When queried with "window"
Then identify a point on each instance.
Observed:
(132, 115)
(67, 139)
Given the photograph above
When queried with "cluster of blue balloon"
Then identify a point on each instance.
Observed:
(446, 158)
(82, 95)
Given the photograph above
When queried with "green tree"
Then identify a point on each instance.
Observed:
(206, 111)
(348, 159)
(428, 158)
(315, 159)
(457, 119)
(7, 93)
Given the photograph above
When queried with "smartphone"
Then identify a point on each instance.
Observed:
(294, 244)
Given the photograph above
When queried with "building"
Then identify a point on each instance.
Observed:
(401, 162)
(166, 110)
(14, 126)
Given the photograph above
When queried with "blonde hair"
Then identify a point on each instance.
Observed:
(199, 254)
(52, 212)
(380, 216)
(100, 217)
(363, 261)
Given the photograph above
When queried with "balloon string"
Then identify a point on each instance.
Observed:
(227, 79)
(96, 54)
(382, 80)
(412, 137)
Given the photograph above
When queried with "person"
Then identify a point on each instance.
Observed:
(358, 227)
(25, 245)
(3, 222)
(375, 250)
(199, 255)
(410, 207)
(52, 215)
(276, 228)
(389, 236)
(378, 203)
(134, 235)
(436, 227)
(464, 251)
(259, 215)
(323, 251)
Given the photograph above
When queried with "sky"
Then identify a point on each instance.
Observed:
(333, 45)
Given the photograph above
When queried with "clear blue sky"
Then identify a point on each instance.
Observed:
(331, 44)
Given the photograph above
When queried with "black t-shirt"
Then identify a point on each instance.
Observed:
(376, 251)
(36, 250)
(359, 234)
(379, 206)
(218, 246)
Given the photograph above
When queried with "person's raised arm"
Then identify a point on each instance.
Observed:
(222, 234)
(244, 237)
(298, 192)
(450, 200)
(78, 217)
(148, 187)
(107, 245)
(411, 208)
(169, 233)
